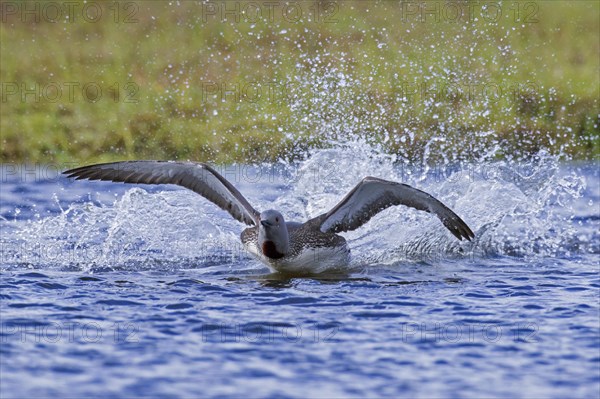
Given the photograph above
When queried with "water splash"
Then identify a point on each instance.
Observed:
(140, 230)
(521, 210)
(333, 101)
(517, 205)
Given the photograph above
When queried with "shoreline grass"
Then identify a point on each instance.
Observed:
(182, 83)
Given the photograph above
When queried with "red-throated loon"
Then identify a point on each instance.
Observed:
(310, 247)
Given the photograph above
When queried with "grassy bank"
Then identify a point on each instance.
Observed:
(250, 81)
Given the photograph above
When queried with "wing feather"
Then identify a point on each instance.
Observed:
(198, 177)
(372, 195)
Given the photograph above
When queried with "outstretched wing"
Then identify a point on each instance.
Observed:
(198, 177)
(372, 195)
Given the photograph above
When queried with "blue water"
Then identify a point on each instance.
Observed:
(110, 290)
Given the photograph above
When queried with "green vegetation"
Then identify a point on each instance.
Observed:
(217, 83)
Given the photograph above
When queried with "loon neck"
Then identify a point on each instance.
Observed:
(273, 241)
(269, 250)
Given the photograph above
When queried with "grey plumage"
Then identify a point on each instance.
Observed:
(372, 195)
(198, 177)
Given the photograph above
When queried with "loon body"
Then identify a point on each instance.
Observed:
(304, 248)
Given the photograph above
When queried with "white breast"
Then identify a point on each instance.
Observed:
(309, 261)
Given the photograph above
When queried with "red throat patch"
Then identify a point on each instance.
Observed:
(269, 250)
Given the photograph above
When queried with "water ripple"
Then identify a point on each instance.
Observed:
(137, 316)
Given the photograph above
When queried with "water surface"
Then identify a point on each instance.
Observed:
(111, 290)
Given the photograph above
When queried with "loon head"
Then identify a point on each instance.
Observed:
(273, 239)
